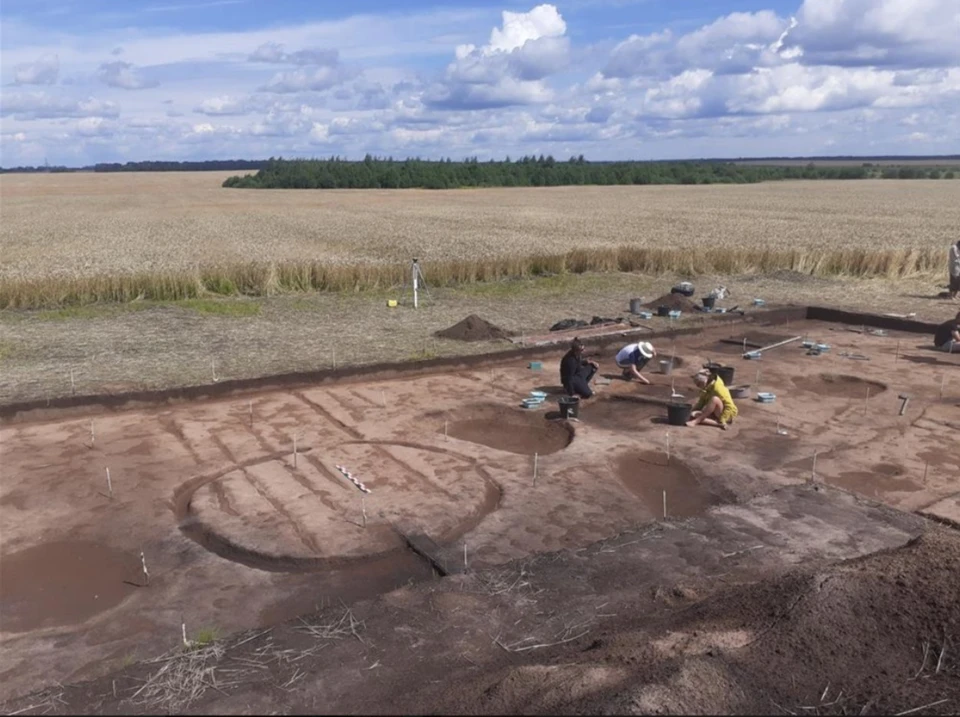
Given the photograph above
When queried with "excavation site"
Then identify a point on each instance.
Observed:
(454, 536)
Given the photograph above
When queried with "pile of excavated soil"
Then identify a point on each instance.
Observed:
(674, 301)
(473, 328)
(875, 635)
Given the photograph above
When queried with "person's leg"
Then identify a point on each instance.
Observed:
(579, 386)
(591, 372)
(709, 415)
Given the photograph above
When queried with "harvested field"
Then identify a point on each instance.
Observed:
(241, 530)
(80, 238)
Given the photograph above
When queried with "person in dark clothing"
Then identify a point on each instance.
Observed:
(947, 336)
(576, 371)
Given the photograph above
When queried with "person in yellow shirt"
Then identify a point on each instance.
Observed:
(715, 406)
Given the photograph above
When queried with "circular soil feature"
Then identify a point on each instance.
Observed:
(833, 385)
(647, 474)
(513, 430)
(63, 583)
(882, 478)
(621, 413)
(277, 516)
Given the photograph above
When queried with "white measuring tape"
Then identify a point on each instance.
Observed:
(353, 480)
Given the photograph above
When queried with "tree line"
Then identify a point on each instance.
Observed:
(207, 165)
(388, 173)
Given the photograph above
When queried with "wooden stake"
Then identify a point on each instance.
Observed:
(813, 470)
(445, 437)
(744, 344)
(333, 358)
(664, 505)
(109, 484)
(213, 369)
(464, 554)
(925, 467)
(536, 458)
(250, 409)
(183, 632)
(294, 450)
(897, 357)
(143, 563)
(93, 437)
(363, 508)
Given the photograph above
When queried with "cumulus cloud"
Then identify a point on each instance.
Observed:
(42, 72)
(308, 80)
(124, 76)
(274, 52)
(43, 105)
(224, 105)
(511, 68)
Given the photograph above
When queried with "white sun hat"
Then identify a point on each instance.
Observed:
(646, 349)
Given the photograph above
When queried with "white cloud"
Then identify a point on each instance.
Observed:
(42, 72)
(274, 52)
(124, 76)
(511, 68)
(308, 80)
(43, 105)
(225, 105)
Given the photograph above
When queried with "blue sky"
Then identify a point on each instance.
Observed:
(97, 80)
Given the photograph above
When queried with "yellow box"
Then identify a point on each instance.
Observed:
(392, 303)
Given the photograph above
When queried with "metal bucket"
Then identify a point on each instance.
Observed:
(636, 306)
(569, 406)
(666, 367)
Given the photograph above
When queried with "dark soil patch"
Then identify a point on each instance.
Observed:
(648, 474)
(622, 413)
(883, 478)
(513, 430)
(674, 301)
(63, 583)
(473, 328)
(834, 385)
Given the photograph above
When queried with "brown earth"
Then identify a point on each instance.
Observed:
(473, 328)
(674, 302)
(285, 534)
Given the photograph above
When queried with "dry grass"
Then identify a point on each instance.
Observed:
(85, 238)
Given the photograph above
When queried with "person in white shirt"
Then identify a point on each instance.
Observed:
(955, 271)
(633, 357)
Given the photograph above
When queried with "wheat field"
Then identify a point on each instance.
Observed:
(84, 237)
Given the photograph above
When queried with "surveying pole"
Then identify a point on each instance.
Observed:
(416, 279)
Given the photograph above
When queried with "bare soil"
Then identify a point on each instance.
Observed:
(241, 532)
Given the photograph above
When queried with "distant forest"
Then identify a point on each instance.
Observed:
(216, 165)
(376, 173)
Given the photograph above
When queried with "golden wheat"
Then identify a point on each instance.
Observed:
(81, 238)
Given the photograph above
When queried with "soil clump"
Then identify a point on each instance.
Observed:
(474, 328)
(673, 301)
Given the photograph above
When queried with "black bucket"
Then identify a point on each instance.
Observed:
(663, 311)
(636, 306)
(569, 407)
(725, 373)
(678, 413)
(709, 301)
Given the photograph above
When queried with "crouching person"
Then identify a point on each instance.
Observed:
(715, 406)
(633, 357)
(576, 372)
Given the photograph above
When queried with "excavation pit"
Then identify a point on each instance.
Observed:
(63, 583)
(647, 474)
(832, 385)
(622, 413)
(512, 430)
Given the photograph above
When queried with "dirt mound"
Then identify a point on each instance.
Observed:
(674, 301)
(473, 328)
(876, 635)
